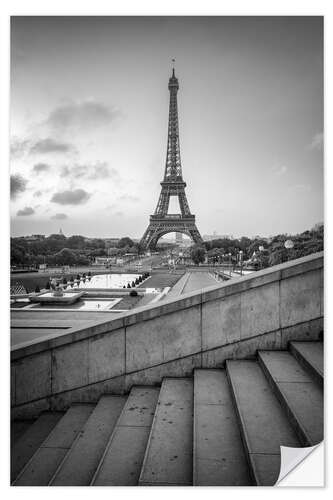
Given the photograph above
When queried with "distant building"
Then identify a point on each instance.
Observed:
(179, 238)
(318, 226)
(35, 237)
(263, 238)
(61, 233)
(215, 236)
(111, 242)
(104, 261)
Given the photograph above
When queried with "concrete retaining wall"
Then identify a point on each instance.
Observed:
(201, 329)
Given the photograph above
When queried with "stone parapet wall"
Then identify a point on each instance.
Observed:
(170, 338)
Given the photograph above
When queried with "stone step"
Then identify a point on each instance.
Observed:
(18, 428)
(219, 458)
(299, 394)
(31, 440)
(80, 463)
(169, 454)
(311, 356)
(121, 462)
(263, 422)
(44, 462)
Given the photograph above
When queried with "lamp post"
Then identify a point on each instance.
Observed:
(288, 245)
(261, 249)
(229, 263)
(241, 261)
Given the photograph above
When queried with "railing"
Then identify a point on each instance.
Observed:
(172, 217)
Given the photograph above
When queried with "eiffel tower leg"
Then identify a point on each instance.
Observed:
(196, 237)
(145, 238)
(149, 239)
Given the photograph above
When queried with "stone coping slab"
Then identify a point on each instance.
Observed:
(187, 300)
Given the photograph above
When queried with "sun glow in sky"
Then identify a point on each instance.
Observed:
(89, 111)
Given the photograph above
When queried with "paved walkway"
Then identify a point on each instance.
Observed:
(199, 280)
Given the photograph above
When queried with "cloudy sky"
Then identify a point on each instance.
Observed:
(89, 110)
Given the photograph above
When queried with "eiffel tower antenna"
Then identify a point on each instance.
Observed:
(173, 66)
(172, 185)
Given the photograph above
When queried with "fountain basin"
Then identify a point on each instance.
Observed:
(49, 298)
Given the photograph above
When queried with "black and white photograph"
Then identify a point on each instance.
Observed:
(166, 249)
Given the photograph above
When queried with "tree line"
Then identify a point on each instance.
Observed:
(260, 252)
(56, 249)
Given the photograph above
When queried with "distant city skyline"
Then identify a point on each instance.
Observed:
(89, 114)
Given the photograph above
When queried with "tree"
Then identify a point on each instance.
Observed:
(65, 257)
(76, 241)
(277, 256)
(198, 254)
(125, 242)
(16, 255)
(215, 254)
(98, 252)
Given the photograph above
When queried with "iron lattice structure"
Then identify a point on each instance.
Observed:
(173, 184)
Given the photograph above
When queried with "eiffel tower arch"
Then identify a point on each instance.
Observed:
(161, 222)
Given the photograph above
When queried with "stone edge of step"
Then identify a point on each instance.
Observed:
(45, 412)
(100, 464)
(196, 373)
(292, 417)
(306, 364)
(145, 458)
(79, 436)
(245, 439)
(41, 445)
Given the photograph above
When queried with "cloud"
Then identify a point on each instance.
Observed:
(317, 142)
(101, 171)
(74, 172)
(38, 193)
(18, 147)
(280, 170)
(74, 197)
(302, 188)
(49, 145)
(129, 197)
(25, 211)
(59, 216)
(41, 167)
(112, 209)
(87, 114)
(17, 185)
(91, 171)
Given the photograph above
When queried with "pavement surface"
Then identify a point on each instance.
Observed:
(199, 280)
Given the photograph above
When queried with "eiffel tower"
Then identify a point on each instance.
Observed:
(172, 185)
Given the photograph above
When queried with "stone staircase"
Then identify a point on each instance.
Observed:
(221, 427)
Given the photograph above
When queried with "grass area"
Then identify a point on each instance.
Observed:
(161, 280)
(128, 302)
